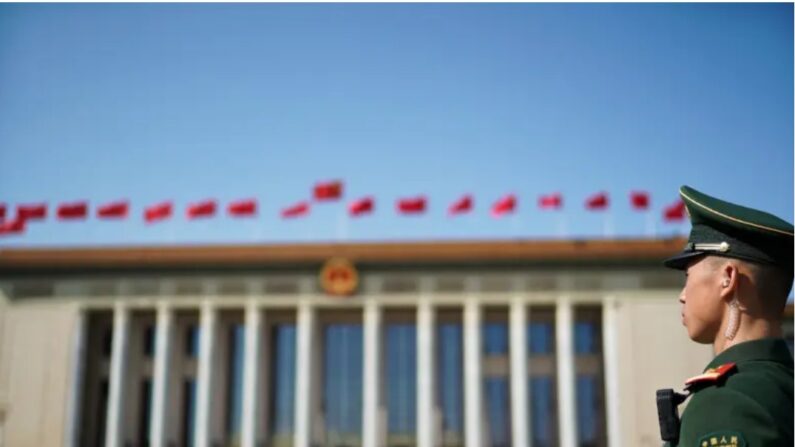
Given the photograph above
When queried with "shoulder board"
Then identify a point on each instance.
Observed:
(711, 375)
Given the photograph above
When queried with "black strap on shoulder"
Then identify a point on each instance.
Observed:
(668, 413)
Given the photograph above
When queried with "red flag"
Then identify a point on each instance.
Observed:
(298, 210)
(242, 208)
(15, 226)
(675, 212)
(505, 205)
(205, 208)
(361, 206)
(70, 211)
(461, 206)
(639, 199)
(113, 210)
(32, 212)
(331, 190)
(597, 201)
(158, 212)
(552, 201)
(412, 205)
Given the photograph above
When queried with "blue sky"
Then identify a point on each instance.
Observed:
(183, 102)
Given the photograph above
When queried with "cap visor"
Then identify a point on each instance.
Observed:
(682, 260)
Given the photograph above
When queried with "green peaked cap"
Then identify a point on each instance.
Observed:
(726, 229)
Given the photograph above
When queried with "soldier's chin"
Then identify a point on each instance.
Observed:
(699, 336)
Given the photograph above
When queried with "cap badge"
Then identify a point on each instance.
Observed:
(723, 247)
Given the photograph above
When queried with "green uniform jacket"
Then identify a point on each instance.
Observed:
(752, 406)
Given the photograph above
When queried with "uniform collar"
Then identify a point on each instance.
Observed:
(771, 349)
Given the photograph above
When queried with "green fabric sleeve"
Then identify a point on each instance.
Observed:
(719, 411)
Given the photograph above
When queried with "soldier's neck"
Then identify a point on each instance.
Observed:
(749, 329)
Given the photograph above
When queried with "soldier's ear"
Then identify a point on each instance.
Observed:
(729, 277)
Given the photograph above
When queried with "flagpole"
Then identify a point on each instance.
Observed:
(561, 224)
(170, 233)
(258, 236)
(171, 222)
(307, 230)
(135, 224)
(516, 224)
(342, 225)
(650, 228)
(607, 225)
(338, 230)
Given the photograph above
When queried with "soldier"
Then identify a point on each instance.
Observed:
(738, 264)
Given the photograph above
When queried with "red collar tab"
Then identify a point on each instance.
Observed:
(711, 375)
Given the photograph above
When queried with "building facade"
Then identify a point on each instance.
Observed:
(477, 344)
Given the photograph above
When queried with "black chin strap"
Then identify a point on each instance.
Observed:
(668, 412)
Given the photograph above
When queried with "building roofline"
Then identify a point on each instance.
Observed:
(412, 252)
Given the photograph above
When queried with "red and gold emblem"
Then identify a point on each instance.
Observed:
(711, 375)
(339, 277)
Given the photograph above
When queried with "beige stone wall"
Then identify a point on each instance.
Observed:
(4, 367)
(35, 371)
(654, 352)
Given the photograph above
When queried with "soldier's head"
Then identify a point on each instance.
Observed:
(737, 261)
(714, 284)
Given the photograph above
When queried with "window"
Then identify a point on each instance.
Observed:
(144, 412)
(192, 340)
(449, 379)
(281, 411)
(99, 330)
(107, 338)
(182, 404)
(188, 420)
(589, 376)
(149, 340)
(542, 370)
(136, 395)
(400, 356)
(342, 378)
(496, 377)
(235, 353)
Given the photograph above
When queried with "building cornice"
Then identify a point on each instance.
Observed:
(393, 253)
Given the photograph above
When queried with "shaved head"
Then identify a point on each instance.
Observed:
(771, 284)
